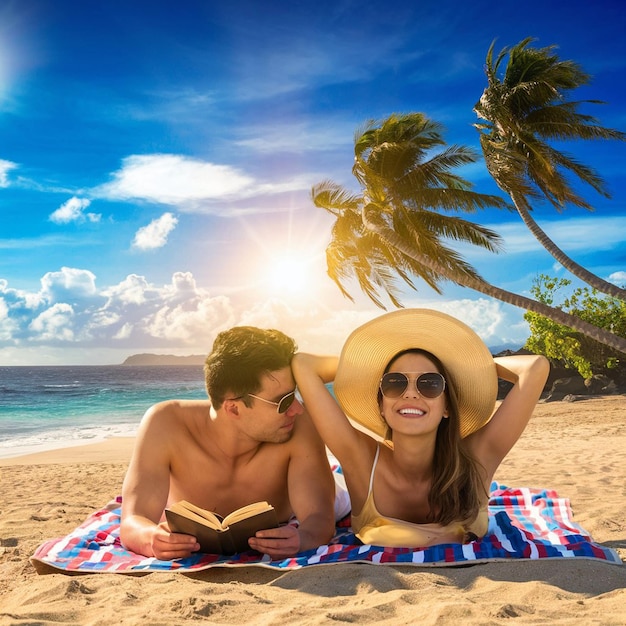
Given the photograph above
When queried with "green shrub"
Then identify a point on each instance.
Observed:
(566, 346)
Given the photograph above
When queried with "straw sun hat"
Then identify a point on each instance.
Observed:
(368, 350)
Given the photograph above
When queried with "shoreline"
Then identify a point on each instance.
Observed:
(118, 447)
(110, 450)
(74, 436)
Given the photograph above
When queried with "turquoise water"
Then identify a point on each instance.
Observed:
(50, 407)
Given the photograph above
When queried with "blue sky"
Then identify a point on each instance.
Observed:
(156, 160)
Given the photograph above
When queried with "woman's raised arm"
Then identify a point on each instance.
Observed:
(312, 373)
(528, 373)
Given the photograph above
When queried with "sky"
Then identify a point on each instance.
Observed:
(156, 162)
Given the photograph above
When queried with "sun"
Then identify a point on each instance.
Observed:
(290, 274)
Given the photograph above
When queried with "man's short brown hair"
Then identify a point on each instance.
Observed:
(240, 356)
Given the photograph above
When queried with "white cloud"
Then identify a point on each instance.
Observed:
(5, 168)
(193, 185)
(176, 313)
(154, 235)
(619, 278)
(53, 324)
(8, 327)
(103, 318)
(138, 316)
(124, 332)
(19, 300)
(173, 179)
(130, 291)
(70, 283)
(73, 211)
(192, 322)
(484, 315)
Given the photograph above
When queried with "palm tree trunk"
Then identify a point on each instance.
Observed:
(577, 270)
(557, 315)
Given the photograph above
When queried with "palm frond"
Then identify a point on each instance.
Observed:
(453, 228)
(524, 106)
(334, 198)
(394, 229)
(563, 122)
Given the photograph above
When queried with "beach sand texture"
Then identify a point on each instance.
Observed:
(578, 449)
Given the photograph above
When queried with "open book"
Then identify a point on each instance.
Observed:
(221, 535)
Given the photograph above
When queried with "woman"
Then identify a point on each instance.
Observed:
(414, 426)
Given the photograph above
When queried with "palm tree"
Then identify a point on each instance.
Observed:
(394, 228)
(523, 111)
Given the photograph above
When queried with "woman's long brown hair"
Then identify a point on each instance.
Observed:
(457, 488)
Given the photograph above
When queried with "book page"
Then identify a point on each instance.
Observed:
(194, 512)
(246, 511)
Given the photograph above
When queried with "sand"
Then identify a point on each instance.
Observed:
(578, 449)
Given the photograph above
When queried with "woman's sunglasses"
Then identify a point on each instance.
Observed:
(283, 404)
(428, 384)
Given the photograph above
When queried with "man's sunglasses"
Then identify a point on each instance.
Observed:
(283, 404)
(428, 384)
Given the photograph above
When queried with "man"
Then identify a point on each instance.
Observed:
(250, 441)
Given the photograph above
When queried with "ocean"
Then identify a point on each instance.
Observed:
(47, 407)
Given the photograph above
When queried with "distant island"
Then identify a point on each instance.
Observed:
(164, 359)
(198, 359)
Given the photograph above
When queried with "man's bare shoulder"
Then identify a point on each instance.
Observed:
(305, 434)
(171, 413)
(178, 406)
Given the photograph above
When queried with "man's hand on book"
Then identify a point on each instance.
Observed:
(168, 546)
(278, 543)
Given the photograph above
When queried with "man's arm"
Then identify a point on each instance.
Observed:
(311, 494)
(146, 489)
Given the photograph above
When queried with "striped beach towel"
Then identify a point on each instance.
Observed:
(524, 523)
